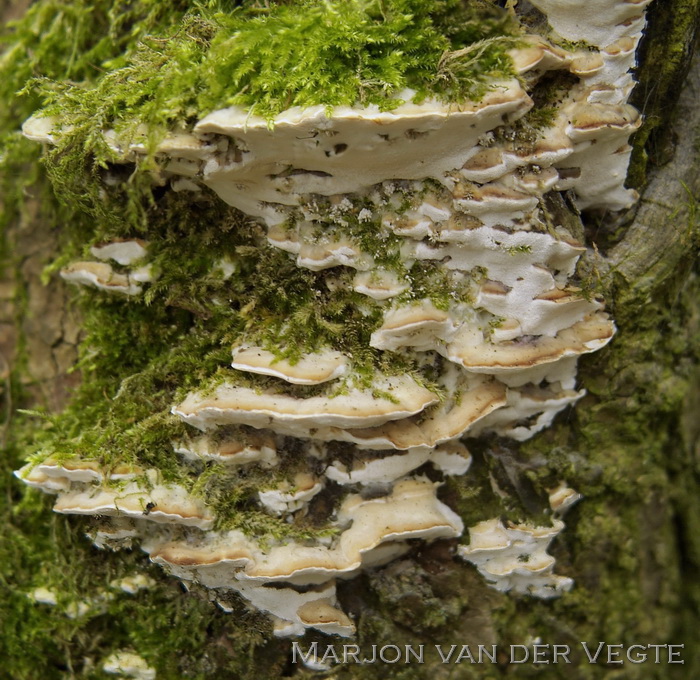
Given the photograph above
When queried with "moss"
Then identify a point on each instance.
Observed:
(428, 280)
(663, 65)
(369, 50)
(515, 250)
(485, 492)
(571, 45)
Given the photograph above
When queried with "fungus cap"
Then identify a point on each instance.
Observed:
(311, 369)
(241, 405)
(101, 276)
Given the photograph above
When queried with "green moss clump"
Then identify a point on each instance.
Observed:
(359, 52)
(428, 280)
(61, 41)
(218, 54)
(664, 60)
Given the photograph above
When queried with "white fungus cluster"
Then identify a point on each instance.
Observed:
(463, 187)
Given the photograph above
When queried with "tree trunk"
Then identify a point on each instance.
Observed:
(631, 447)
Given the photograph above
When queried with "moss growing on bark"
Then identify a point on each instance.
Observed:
(664, 60)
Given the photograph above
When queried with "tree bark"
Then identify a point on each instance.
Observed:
(631, 447)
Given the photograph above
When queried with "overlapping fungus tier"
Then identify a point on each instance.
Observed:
(434, 216)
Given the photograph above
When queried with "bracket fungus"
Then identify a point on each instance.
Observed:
(128, 665)
(430, 223)
(515, 557)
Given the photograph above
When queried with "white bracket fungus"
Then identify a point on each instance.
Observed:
(562, 498)
(155, 502)
(515, 557)
(312, 369)
(231, 405)
(495, 328)
(100, 275)
(128, 665)
(292, 497)
(231, 450)
(124, 252)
